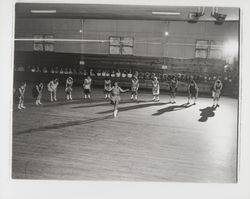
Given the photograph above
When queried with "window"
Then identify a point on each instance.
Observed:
(114, 45)
(201, 48)
(121, 45)
(208, 49)
(201, 53)
(38, 43)
(127, 44)
(43, 43)
(48, 43)
(215, 49)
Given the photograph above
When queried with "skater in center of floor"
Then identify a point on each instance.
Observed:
(115, 96)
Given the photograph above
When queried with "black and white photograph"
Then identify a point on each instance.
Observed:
(137, 99)
(125, 93)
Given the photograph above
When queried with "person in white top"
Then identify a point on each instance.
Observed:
(99, 73)
(134, 87)
(130, 75)
(118, 73)
(21, 91)
(68, 89)
(107, 87)
(87, 87)
(216, 92)
(52, 87)
(156, 89)
(37, 92)
(115, 96)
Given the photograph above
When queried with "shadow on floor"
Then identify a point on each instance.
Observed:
(206, 113)
(61, 102)
(138, 106)
(107, 103)
(172, 108)
(83, 103)
(63, 125)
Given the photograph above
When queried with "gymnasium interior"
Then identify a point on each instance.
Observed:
(148, 141)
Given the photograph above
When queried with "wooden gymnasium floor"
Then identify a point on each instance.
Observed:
(148, 141)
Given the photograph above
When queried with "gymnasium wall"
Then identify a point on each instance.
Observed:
(149, 35)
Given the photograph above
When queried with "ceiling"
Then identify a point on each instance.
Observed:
(118, 12)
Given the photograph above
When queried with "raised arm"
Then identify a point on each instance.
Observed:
(37, 88)
(49, 85)
(21, 92)
(123, 91)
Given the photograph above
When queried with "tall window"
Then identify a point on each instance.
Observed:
(48, 44)
(38, 43)
(215, 50)
(201, 48)
(114, 45)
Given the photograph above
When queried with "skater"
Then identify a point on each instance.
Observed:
(115, 96)
(134, 88)
(68, 89)
(21, 91)
(37, 92)
(107, 87)
(216, 92)
(192, 91)
(156, 89)
(52, 88)
(87, 87)
(173, 89)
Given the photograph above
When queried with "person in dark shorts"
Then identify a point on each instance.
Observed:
(37, 92)
(192, 91)
(87, 87)
(156, 89)
(216, 92)
(69, 89)
(134, 88)
(107, 87)
(52, 88)
(21, 91)
(173, 89)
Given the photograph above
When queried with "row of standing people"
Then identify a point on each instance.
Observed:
(113, 93)
(192, 89)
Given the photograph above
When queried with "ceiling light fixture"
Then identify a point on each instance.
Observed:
(165, 13)
(43, 11)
